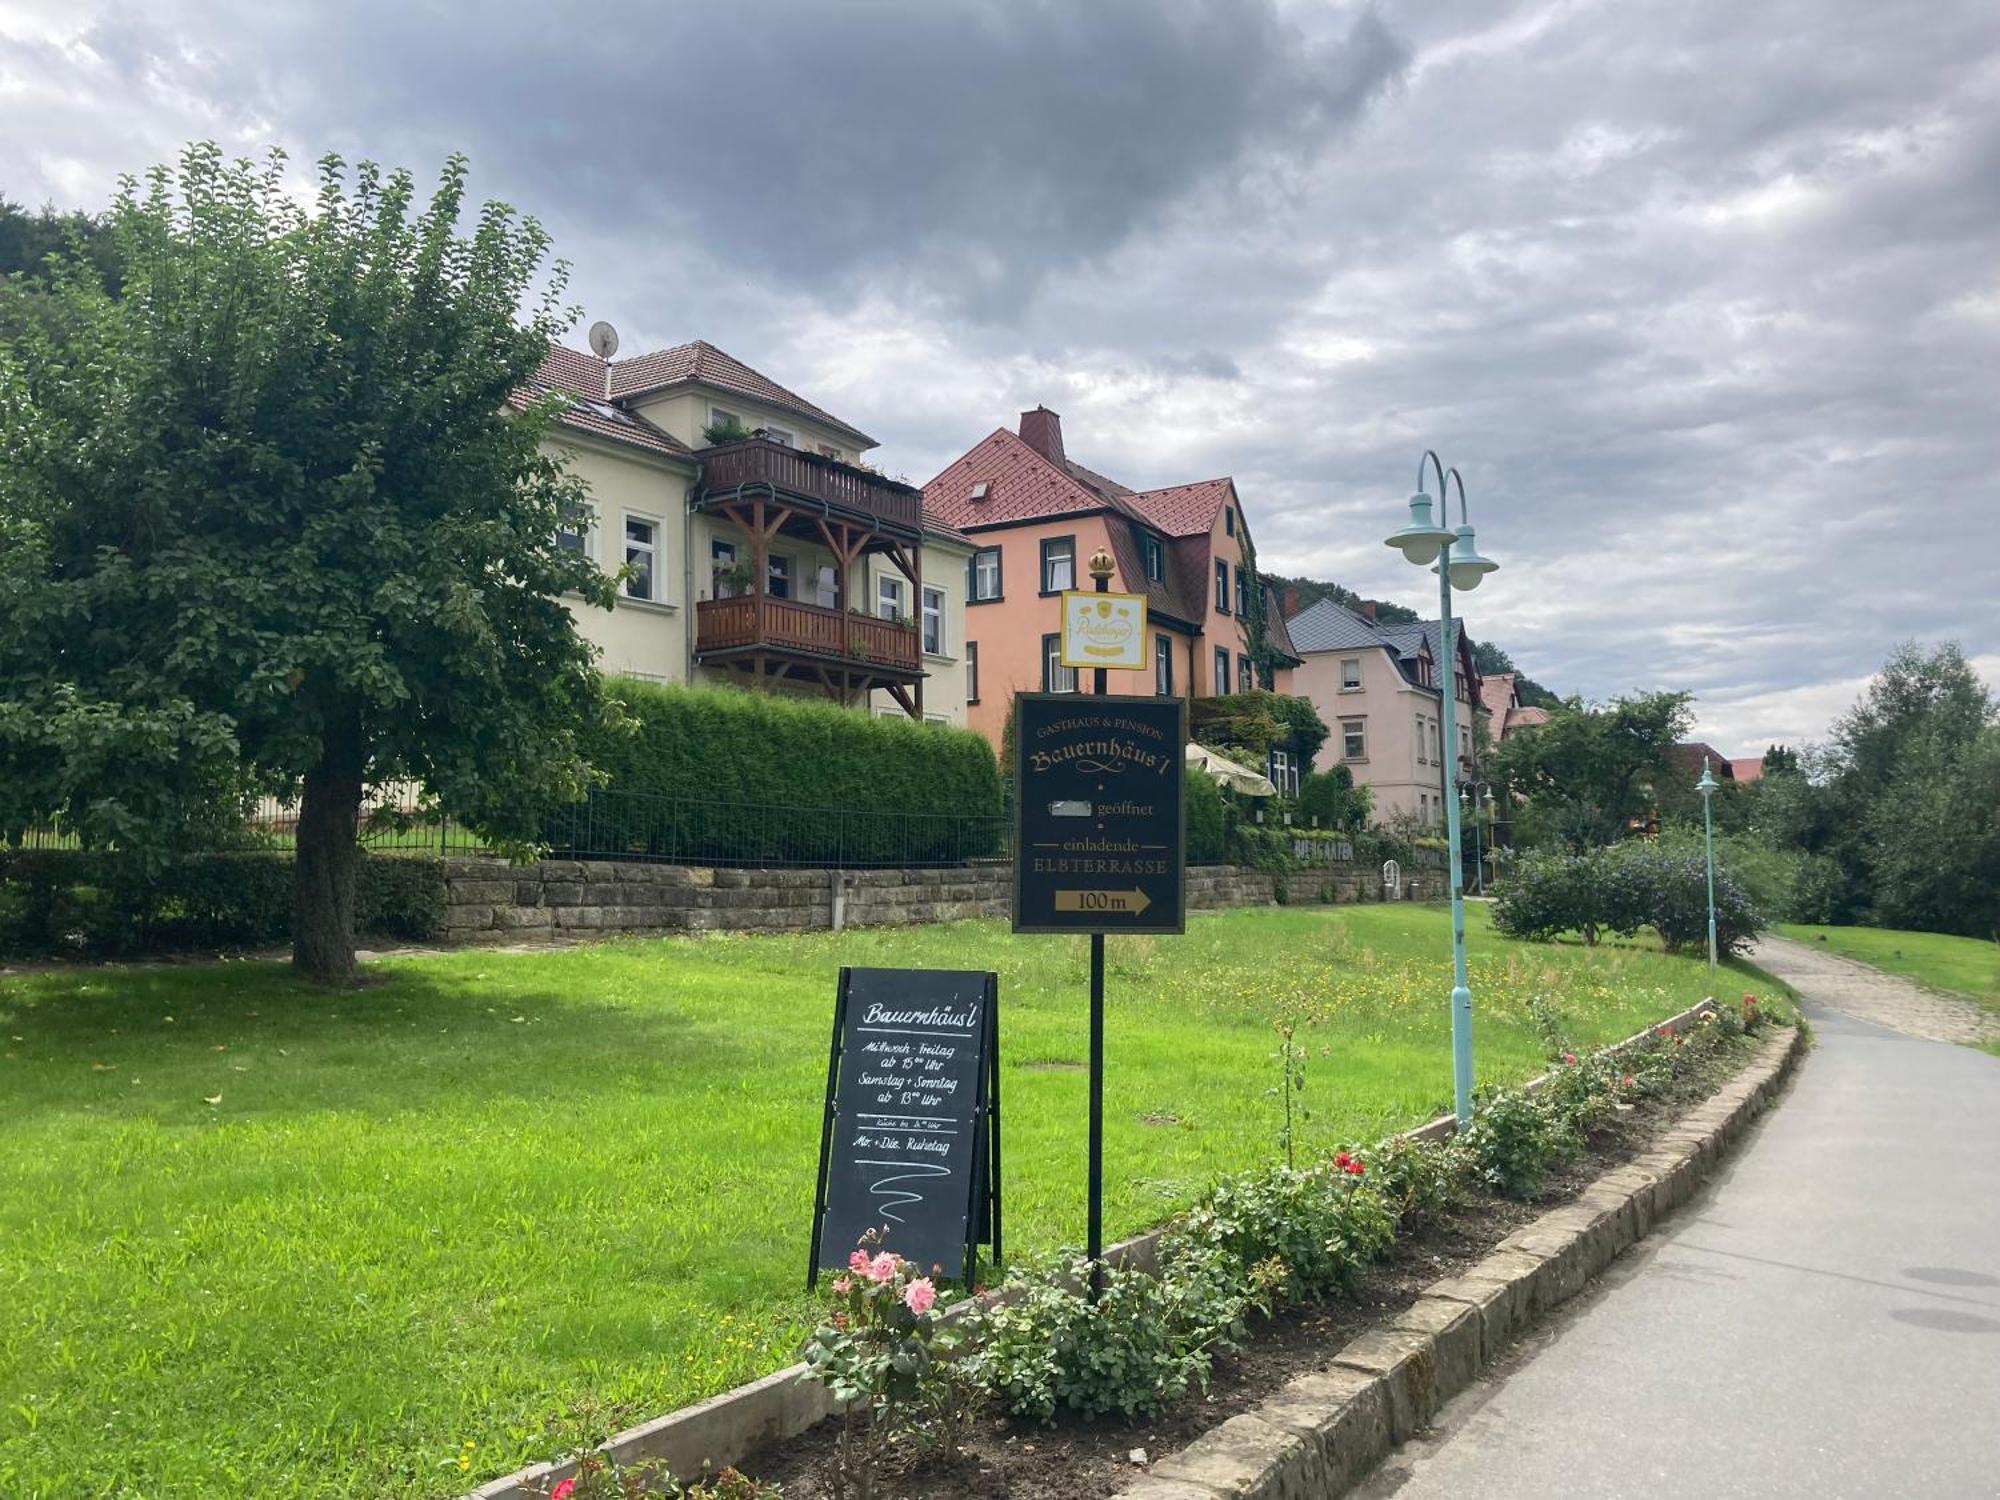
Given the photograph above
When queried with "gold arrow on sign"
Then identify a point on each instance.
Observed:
(1118, 903)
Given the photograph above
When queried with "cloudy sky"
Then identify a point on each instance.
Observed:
(1703, 297)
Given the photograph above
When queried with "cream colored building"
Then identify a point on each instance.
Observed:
(772, 559)
(1376, 686)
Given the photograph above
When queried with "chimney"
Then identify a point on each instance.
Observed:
(1291, 605)
(1368, 610)
(1041, 429)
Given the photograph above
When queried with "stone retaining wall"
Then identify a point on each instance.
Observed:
(489, 900)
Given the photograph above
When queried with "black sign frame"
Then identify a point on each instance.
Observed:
(1035, 892)
(982, 1208)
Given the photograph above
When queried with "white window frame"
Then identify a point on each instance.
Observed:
(1423, 741)
(1163, 665)
(826, 586)
(889, 591)
(783, 437)
(1060, 679)
(978, 594)
(972, 671)
(1351, 732)
(651, 548)
(1154, 553)
(1052, 558)
(1221, 683)
(932, 612)
(586, 535)
(1350, 674)
(778, 565)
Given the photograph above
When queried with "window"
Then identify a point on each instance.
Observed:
(826, 587)
(1242, 592)
(1464, 744)
(1244, 680)
(1058, 564)
(1221, 587)
(1163, 666)
(1350, 675)
(781, 437)
(573, 531)
(1156, 557)
(827, 450)
(1354, 739)
(982, 580)
(1423, 807)
(1423, 742)
(934, 621)
(721, 416)
(778, 577)
(972, 671)
(721, 569)
(641, 547)
(1285, 773)
(889, 598)
(1221, 671)
(1056, 678)
(1229, 519)
(1437, 744)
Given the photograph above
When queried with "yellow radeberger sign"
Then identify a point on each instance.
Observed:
(1104, 630)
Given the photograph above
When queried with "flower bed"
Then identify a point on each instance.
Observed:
(1044, 1393)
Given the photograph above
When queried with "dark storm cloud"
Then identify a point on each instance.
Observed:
(1703, 296)
(967, 148)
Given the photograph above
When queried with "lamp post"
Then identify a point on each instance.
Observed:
(1470, 806)
(1706, 786)
(1458, 564)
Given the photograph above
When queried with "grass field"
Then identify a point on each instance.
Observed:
(262, 1240)
(1963, 966)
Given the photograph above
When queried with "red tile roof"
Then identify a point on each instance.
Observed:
(1184, 509)
(701, 363)
(1747, 767)
(1021, 485)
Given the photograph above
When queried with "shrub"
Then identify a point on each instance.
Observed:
(1147, 1339)
(1513, 1141)
(1416, 1179)
(1622, 889)
(1332, 798)
(1321, 1224)
(1547, 894)
(883, 1356)
(719, 774)
(1205, 820)
(88, 903)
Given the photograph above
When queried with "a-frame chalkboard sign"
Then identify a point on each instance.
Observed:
(910, 1141)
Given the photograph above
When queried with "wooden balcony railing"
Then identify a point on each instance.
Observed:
(758, 461)
(754, 620)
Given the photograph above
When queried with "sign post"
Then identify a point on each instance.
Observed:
(1100, 834)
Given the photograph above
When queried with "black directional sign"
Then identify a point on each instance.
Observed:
(1100, 835)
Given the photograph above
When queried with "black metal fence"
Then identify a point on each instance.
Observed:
(397, 819)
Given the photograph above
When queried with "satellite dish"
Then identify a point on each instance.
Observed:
(603, 340)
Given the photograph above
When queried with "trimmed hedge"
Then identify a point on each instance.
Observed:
(723, 775)
(82, 903)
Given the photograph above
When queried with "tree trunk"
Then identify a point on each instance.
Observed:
(323, 879)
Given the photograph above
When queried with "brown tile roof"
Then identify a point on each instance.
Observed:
(701, 363)
(1103, 484)
(581, 377)
(1524, 718)
(1021, 484)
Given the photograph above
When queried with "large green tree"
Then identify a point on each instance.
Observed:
(268, 524)
(1592, 767)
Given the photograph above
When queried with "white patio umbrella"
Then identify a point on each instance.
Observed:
(1237, 778)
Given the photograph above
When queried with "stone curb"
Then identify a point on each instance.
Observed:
(728, 1427)
(1324, 1431)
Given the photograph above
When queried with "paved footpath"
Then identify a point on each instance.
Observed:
(1823, 1320)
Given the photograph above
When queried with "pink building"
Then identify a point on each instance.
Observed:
(1034, 516)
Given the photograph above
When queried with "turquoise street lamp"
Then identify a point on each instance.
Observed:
(1425, 541)
(1707, 786)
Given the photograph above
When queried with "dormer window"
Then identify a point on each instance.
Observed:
(1156, 557)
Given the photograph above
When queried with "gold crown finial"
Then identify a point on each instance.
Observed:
(1101, 565)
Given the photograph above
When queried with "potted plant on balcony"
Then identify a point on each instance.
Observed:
(733, 580)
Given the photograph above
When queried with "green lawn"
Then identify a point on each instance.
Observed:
(1961, 965)
(263, 1240)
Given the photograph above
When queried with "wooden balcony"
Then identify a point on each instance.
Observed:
(806, 640)
(758, 467)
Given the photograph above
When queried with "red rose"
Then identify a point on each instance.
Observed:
(563, 1490)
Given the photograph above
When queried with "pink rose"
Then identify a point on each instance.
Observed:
(919, 1296)
(883, 1267)
(563, 1490)
(842, 1285)
(858, 1261)
(1570, 1058)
